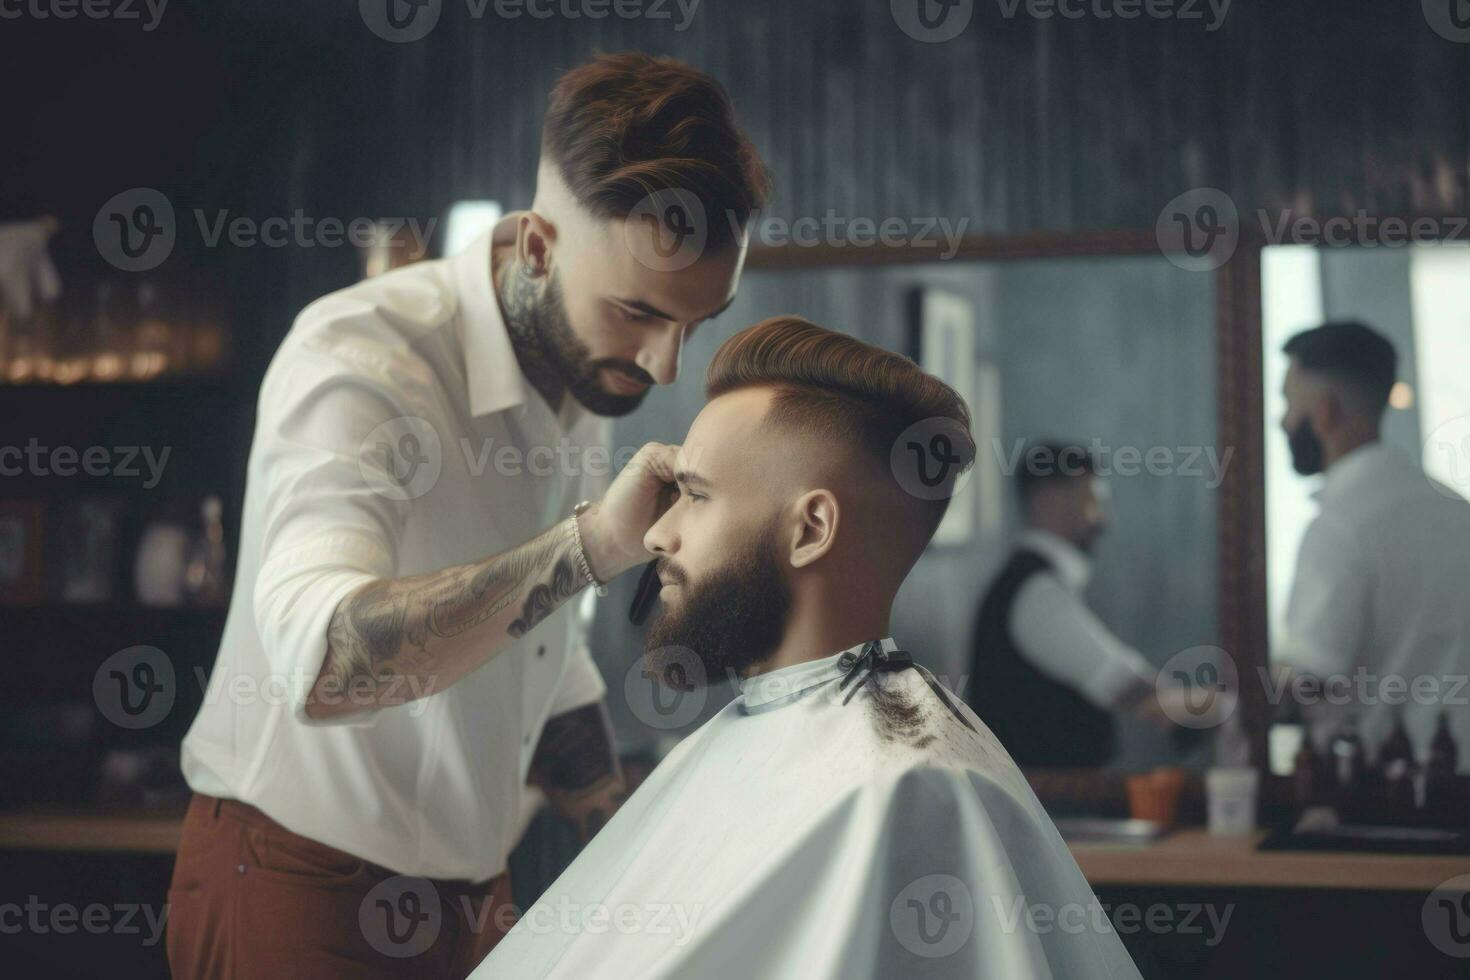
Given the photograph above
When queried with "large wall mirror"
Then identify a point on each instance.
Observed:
(1098, 340)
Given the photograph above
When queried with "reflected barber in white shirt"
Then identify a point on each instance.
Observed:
(1048, 675)
(1378, 612)
(409, 548)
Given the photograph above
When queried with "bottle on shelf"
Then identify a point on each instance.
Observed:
(1439, 774)
(206, 577)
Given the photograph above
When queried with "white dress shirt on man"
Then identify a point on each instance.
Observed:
(396, 435)
(1380, 602)
(1056, 632)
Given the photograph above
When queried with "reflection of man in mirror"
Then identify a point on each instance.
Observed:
(1048, 675)
(1378, 606)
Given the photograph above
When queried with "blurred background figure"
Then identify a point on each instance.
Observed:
(1377, 611)
(1048, 674)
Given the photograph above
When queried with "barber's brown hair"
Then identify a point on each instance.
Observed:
(626, 125)
(838, 387)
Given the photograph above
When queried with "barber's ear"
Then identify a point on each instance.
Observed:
(534, 239)
(815, 530)
(1326, 413)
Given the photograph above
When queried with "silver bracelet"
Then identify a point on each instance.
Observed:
(582, 561)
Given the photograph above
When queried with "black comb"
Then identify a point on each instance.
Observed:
(644, 596)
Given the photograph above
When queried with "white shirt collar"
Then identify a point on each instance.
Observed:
(1071, 563)
(790, 681)
(492, 374)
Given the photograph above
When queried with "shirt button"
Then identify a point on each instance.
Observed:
(541, 651)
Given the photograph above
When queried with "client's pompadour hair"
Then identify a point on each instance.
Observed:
(838, 387)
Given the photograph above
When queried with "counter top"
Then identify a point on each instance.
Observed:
(1188, 857)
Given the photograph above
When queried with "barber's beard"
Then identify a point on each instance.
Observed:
(555, 360)
(1306, 449)
(728, 620)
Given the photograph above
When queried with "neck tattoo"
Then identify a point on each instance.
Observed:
(519, 302)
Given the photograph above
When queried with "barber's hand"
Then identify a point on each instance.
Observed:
(27, 274)
(613, 528)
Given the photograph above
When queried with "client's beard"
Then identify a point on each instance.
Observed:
(728, 620)
(1306, 449)
(547, 346)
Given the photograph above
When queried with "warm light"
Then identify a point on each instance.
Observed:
(1401, 396)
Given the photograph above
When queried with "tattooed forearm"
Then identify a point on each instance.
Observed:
(577, 768)
(395, 640)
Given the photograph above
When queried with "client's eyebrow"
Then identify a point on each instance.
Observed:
(690, 479)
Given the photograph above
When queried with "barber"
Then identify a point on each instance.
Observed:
(408, 561)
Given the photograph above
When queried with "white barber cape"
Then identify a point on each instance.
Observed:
(795, 835)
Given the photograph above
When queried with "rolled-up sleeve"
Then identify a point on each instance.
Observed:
(325, 531)
(1065, 640)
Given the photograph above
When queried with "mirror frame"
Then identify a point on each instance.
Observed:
(1241, 507)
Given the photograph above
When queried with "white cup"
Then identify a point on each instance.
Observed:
(1230, 793)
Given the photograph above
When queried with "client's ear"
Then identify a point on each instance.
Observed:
(816, 527)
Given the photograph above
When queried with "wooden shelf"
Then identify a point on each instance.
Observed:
(1191, 857)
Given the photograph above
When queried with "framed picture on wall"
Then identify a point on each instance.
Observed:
(942, 342)
(20, 552)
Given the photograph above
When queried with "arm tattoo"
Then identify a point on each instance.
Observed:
(411, 626)
(576, 766)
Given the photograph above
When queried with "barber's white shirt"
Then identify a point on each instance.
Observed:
(1381, 597)
(1061, 637)
(396, 435)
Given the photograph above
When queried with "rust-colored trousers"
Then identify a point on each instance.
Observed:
(250, 899)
